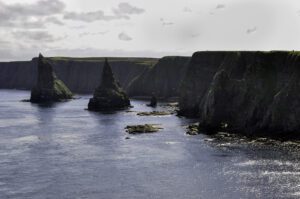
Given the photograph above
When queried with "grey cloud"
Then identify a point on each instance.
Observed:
(92, 33)
(124, 37)
(187, 9)
(166, 23)
(24, 15)
(123, 11)
(127, 9)
(220, 6)
(90, 16)
(251, 30)
(42, 36)
(54, 20)
(30, 24)
(40, 8)
(77, 27)
(194, 35)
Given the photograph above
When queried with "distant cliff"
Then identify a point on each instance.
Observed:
(163, 79)
(138, 76)
(81, 75)
(254, 93)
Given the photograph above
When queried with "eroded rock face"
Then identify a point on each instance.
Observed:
(163, 79)
(109, 95)
(48, 88)
(283, 114)
(253, 93)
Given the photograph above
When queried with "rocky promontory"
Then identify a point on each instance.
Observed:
(252, 93)
(48, 88)
(109, 95)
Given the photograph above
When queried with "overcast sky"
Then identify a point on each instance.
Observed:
(149, 28)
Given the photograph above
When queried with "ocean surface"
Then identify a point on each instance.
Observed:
(64, 151)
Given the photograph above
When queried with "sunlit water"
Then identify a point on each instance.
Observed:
(64, 151)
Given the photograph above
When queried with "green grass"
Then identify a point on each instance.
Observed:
(138, 60)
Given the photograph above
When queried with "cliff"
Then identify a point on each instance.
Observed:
(48, 87)
(163, 79)
(81, 75)
(253, 93)
(109, 95)
(199, 73)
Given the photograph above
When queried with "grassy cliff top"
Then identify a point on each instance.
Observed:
(138, 60)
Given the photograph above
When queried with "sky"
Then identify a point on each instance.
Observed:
(145, 28)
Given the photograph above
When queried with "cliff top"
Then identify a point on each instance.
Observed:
(137, 60)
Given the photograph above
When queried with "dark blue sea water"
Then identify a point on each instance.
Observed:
(64, 151)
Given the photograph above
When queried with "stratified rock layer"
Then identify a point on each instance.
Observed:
(109, 95)
(253, 93)
(48, 88)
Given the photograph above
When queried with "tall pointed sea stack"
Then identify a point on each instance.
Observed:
(109, 95)
(49, 88)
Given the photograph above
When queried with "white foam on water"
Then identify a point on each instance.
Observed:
(247, 163)
(280, 173)
(209, 139)
(27, 139)
(225, 144)
(171, 143)
(265, 163)
(297, 193)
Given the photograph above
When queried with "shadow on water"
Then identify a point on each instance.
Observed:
(45, 105)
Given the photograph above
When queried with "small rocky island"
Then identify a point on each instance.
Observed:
(109, 95)
(48, 88)
(153, 101)
(139, 129)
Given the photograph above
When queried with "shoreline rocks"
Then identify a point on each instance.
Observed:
(193, 129)
(154, 113)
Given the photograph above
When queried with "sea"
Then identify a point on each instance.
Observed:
(63, 151)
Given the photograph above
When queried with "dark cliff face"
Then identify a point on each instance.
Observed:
(109, 95)
(254, 93)
(163, 79)
(48, 88)
(199, 74)
(81, 75)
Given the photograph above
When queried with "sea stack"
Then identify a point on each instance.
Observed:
(153, 101)
(109, 95)
(49, 88)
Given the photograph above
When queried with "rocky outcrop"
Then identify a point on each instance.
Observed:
(153, 101)
(163, 79)
(48, 88)
(253, 93)
(146, 128)
(109, 95)
(81, 75)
